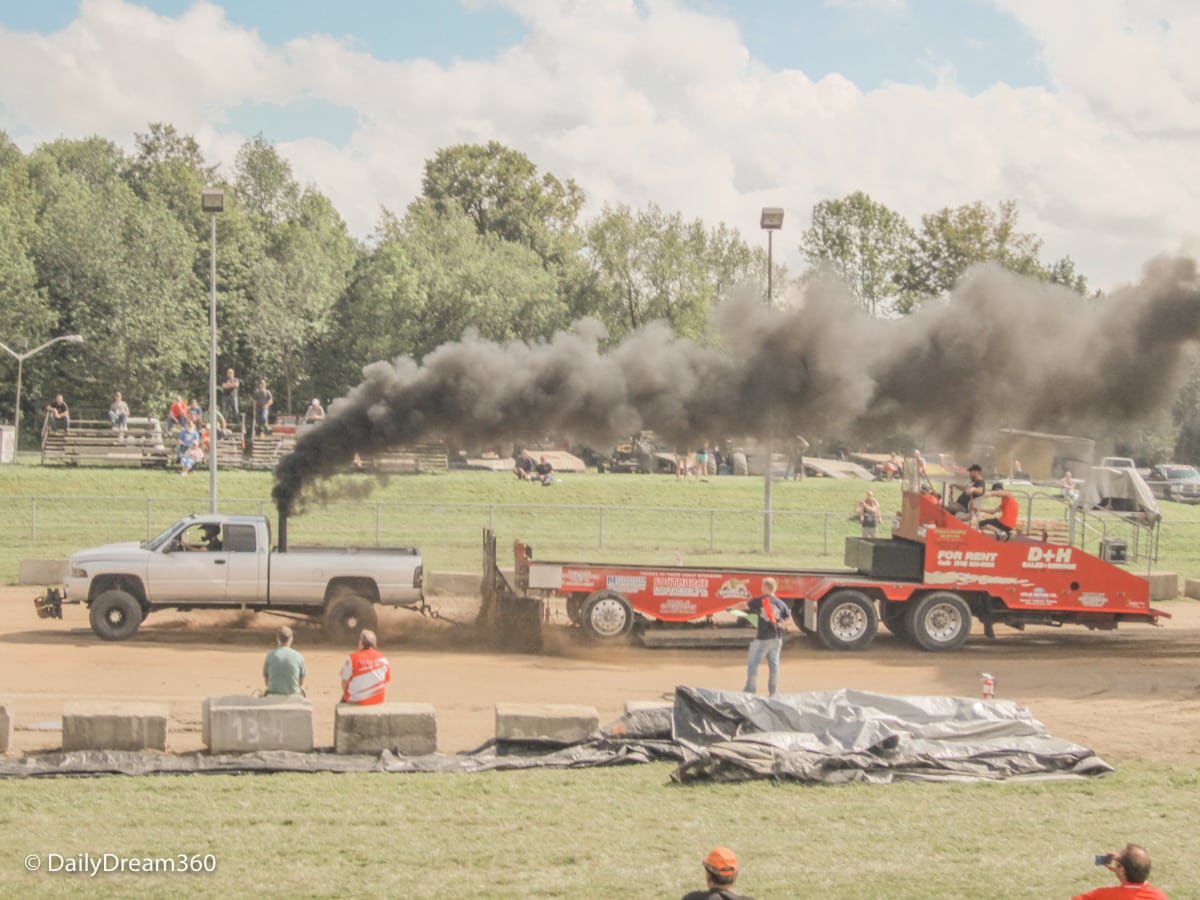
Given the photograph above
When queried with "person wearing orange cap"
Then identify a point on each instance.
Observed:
(721, 871)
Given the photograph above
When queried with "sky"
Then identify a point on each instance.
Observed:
(1087, 114)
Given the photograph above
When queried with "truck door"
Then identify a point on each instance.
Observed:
(246, 561)
(192, 568)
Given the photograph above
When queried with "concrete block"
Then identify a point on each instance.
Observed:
(1163, 585)
(1191, 588)
(114, 726)
(560, 723)
(6, 727)
(634, 706)
(242, 724)
(42, 571)
(409, 729)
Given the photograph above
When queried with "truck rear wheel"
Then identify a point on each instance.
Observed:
(846, 620)
(347, 615)
(607, 617)
(115, 615)
(940, 621)
(893, 615)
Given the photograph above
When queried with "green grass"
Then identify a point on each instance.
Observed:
(599, 832)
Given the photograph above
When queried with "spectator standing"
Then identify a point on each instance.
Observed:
(263, 400)
(768, 641)
(118, 413)
(229, 395)
(720, 873)
(284, 670)
(869, 514)
(365, 673)
(60, 414)
(314, 413)
(1132, 868)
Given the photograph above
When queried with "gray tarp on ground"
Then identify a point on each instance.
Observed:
(830, 737)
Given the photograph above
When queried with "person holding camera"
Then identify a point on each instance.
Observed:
(1132, 868)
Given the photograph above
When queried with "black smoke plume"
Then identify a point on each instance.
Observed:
(1001, 351)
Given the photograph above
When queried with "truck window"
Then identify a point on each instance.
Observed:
(240, 539)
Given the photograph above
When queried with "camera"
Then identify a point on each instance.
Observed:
(1103, 859)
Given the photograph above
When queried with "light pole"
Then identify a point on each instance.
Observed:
(771, 221)
(20, 358)
(212, 201)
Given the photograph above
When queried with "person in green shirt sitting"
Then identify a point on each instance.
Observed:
(283, 669)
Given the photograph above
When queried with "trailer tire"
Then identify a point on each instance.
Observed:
(893, 615)
(115, 615)
(939, 621)
(607, 617)
(846, 620)
(347, 615)
(575, 608)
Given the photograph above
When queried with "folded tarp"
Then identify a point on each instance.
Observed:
(839, 736)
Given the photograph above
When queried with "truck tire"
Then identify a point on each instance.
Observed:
(607, 617)
(893, 615)
(347, 615)
(115, 615)
(939, 621)
(575, 608)
(846, 620)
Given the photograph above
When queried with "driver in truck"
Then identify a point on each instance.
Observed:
(208, 541)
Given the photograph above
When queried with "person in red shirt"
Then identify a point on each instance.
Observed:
(1132, 867)
(365, 672)
(1001, 526)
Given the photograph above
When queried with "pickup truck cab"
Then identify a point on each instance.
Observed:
(226, 562)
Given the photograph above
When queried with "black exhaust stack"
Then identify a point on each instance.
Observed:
(282, 531)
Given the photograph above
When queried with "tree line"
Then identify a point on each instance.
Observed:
(113, 245)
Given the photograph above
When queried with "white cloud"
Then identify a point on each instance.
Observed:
(651, 102)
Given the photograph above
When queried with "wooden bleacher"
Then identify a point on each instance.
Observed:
(92, 441)
(411, 460)
(1057, 531)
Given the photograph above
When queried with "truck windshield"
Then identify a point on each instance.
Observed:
(155, 542)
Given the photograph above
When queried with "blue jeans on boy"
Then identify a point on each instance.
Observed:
(758, 649)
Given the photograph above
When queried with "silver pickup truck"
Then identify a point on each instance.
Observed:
(226, 562)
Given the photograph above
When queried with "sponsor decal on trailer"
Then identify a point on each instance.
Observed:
(967, 559)
(680, 586)
(735, 589)
(677, 607)
(1049, 558)
(1093, 599)
(1038, 597)
(626, 584)
(577, 578)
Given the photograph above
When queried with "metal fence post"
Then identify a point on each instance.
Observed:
(600, 512)
(378, 522)
(33, 520)
(825, 537)
(149, 501)
(712, 529)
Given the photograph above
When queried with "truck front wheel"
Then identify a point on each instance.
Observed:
(846, 620)
(347, 615)
(607, 617)
(115, 615)
(940, 621)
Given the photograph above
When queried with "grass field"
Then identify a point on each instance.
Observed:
(588, 833)
(595, 833)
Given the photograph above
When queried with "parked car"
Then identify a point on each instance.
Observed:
(1173, 481)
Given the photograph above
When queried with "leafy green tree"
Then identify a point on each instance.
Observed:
(650, 265)
(866, 243)
(119, 271)
(950, 241)
(469, 280)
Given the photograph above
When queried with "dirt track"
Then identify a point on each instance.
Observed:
(1131, 692)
